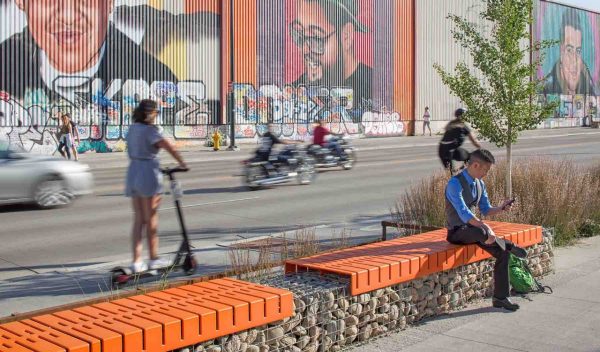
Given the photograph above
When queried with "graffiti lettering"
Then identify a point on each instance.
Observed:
(295, 109)
(102, 114)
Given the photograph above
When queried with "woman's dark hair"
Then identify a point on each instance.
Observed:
(67, 115)
(144, 108)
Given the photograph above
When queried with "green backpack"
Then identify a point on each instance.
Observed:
(521, 278)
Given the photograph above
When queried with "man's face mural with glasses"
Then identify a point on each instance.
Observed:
(316, 37)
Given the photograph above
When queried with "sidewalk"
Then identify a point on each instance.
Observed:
(567, 320)
(28, 291)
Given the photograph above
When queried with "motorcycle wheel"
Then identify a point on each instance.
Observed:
(253, 174)
(350, 160)
(306, 172)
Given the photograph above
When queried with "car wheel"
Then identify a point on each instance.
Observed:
(51, 192)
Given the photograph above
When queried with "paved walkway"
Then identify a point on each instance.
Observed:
(568, 320)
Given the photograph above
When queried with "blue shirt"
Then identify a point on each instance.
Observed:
(141, 141)
(454, 195)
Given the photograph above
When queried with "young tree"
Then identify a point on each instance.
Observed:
(500, 95)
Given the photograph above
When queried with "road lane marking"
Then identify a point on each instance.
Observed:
(212, 203)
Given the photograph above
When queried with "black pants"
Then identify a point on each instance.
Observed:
(448, 153)
(62, 148)
(264, 157)
(470, 234)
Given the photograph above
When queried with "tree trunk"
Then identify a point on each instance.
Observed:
(508, 189)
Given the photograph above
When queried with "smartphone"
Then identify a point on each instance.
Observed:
(510, 202)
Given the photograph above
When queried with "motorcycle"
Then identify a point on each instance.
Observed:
(325, 158)
(293, 163)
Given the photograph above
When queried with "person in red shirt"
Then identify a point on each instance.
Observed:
(319, 134)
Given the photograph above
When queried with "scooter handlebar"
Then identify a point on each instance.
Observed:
(170, 171)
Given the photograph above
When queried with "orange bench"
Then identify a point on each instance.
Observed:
(387, 263)
(155, 322)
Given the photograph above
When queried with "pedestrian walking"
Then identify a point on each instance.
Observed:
(144, 181)
(426, 121)
(450, 150)
(65, 131)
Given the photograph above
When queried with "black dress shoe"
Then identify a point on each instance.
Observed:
(504, 303)
(518, 252)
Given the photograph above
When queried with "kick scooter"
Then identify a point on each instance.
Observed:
(184, 258)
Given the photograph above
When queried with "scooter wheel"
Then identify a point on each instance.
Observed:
(119, 278)
(190, 265)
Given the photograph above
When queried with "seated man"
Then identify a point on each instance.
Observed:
(464, 193)
(319, 134)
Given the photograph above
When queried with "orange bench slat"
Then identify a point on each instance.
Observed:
(155, 322)
(383, 264)
(29, 328)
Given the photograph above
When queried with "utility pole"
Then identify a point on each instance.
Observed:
(230, 102)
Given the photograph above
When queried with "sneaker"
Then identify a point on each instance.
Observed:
(159, 263)
(138, 267)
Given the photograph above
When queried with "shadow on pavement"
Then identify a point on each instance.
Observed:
(13, 208)
(465, 313)
(72, 287)
(47, 267)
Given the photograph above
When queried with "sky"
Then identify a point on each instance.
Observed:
(593, 5)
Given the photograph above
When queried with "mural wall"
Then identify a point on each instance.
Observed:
(97, 58)
(350, 62)
(571, 69)
(344, 61)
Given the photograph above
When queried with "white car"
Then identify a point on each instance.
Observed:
(44, 180)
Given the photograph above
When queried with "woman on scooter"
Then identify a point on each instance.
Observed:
(144, 181)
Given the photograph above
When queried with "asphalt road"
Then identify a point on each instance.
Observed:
(95, 231)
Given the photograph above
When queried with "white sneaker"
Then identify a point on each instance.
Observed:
(138, 267)
(159, 263)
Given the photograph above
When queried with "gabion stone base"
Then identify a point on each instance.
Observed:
(328, 319)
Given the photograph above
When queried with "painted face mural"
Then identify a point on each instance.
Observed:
(570, 59)
(300, 60)
(325, 34)
(336, 60)
(571, 69)
(69, 33)
(97, 58)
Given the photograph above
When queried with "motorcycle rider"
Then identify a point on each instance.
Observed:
(454, 136)
(319, 134)
(266, 143)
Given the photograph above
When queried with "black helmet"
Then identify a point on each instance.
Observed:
(459, 112)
